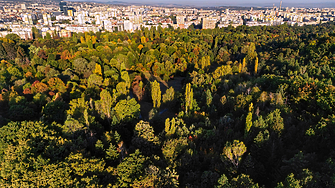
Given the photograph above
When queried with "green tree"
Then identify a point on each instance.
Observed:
(121, 89)
(145, 139)
(223, 182)
(209, 98)
(172, 148)
(10, 50)
(131, 169)
(104, 105)
(27, 156)
(234, 152)
(94, 80)
(275, 121)
(222, 71)
(248, 121)
(57, 85)
(169, 95)
(290, 182)
(36, 33)
(80, 65)
(223, 56)
(79, 110)
(21, 113)
(54, 111)
(243, 181)
(127, 109)
(13, 37)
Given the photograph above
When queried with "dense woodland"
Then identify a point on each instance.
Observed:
(231, 107)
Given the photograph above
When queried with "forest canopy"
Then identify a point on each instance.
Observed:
(229, 107)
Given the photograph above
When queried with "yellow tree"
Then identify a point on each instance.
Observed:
(87, 37)
(243, 64)
(140, 47)
(205, 62)
(256, 65)
(156, 94)
(234, 151)
(143, 40)
(82, 40)
(97, 69)
(169, 95)
(170, 128)
(94, 39)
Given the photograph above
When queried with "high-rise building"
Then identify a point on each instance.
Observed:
(70, 12)
(81, 18)
(62, 6)
(180, 20)
(136, 19)
(27, 19)
(47, 19)
(128, 26)
(209, 23)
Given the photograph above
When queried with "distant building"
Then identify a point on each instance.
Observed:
(98, 20)
(62, 6)
(65, 33)
(27, 19)
(138, 19)
(51, 32)
(70, 13)
(61, 17)
(128, 26)
(22, 34)
(47, 19)
(82, 29)
(180, 20)
(81, 18)
(209, 23)
(23, 6)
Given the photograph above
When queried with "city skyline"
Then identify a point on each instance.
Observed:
(213, 3)
(65, 18)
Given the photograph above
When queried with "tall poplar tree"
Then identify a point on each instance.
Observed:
(105, 104)
(188, 97)
(243, 65)
(248, 121)
(156, 94)
(256, 65)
